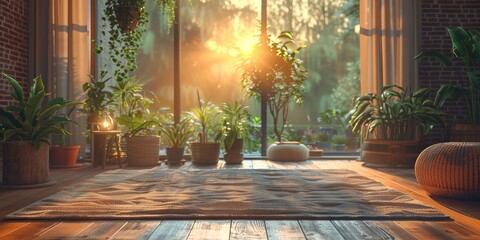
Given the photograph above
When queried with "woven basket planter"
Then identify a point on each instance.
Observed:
(391, 153)
(235, 153)
(143, 151)
(205, 153)
(450, 170)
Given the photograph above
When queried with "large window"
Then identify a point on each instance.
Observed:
(212, 33)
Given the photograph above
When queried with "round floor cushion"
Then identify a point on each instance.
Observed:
(450, 170)
(287, 152)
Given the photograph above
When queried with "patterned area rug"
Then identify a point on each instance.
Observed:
(229, 194)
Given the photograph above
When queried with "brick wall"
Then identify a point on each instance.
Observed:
(436, 16)
(13, 45)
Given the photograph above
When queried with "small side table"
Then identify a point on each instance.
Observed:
(100, 139)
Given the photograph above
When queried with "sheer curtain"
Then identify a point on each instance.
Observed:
(388, 43)
(62, 53)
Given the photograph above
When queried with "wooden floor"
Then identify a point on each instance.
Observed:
(466, 214)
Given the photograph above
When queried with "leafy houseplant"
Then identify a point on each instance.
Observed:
(176, 135)
(25, 129)
(62, 155)
(98, 97)
(396, 118)
(208, 125)
(236, 128)
(143, 146)
(275, 70)
(274, 73)
(466, 46)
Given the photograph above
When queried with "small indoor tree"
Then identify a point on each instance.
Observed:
(274, 70)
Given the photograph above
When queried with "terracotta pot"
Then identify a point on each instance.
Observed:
(391, 153)
(23, 164)
(64, 156)
(205, 153)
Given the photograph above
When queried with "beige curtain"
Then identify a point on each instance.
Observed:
(388, 43)
(69, 56)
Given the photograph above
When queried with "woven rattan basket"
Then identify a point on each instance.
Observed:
(450, 170)
(143, 150)
(205, 153)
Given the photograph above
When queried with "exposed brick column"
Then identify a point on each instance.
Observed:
(437, 15)
(13, 45)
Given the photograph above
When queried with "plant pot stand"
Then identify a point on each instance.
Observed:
(288, 152)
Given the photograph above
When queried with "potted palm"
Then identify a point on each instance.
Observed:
(25, 129)
(274, 72)
(236, 129)
(465, 45)
(390, 124)
(208, 126)
(176, 135)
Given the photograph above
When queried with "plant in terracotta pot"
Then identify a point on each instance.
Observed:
(390, 124)
(208, 126)
(465, 45)
(61, 154)
(275, 71)
(25, 128)
(176, 135)
(237, 128)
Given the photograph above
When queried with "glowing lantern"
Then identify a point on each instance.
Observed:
(106, 122)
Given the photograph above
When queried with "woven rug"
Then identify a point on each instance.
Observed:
(228, 194)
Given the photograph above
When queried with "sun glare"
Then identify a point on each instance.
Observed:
(245, 44)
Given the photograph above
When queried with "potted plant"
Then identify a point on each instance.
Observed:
(176, 135)
(98, 97)
(391, 123)
(143, 146)
(465, 45)
(236, 128)
(62, 155)
(339, 142)
(274, 71)
(208, 126)
(25, 128)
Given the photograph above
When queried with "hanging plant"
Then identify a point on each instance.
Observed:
(123, 26)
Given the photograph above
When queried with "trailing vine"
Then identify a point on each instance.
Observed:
(124, 25)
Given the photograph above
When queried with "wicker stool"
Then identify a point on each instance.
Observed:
(450, 170)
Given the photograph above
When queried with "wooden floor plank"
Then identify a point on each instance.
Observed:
(172, 230)
(320, 230)
(260, 164)
(136, 230)
(9, 227)
(307, 165)
(101, 230)
(423, 230)
(65, 230)
(284, 230)
(355, 230)
(32, 229)
(389, 230)
(248, 229)
(455, 230)
(210, 230)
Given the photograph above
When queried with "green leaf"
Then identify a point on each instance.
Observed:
(17, 90)
(33, 106)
